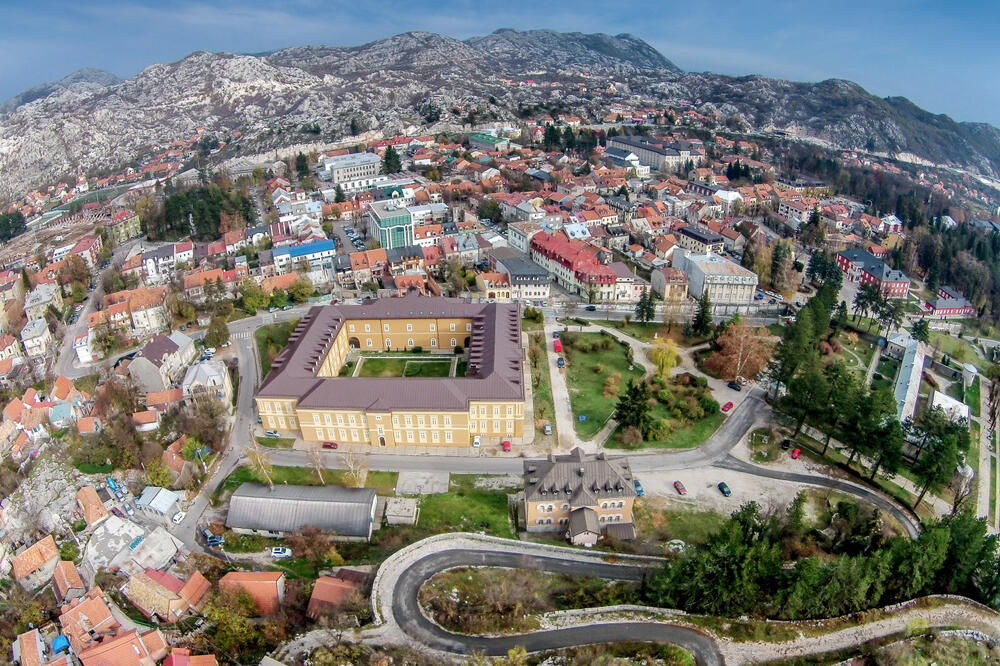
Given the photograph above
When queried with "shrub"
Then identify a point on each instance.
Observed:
(708, 403)
(631, 436)
(599, 368)
(458, 349)
(701, 382)
(417, 350)
(825, 349)
(837, 347)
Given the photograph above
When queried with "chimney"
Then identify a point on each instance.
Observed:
(580, 470)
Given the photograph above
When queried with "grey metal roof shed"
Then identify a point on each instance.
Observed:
(347, 512)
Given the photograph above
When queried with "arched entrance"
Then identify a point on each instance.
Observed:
(466, 343)
(381, 441)
(354, 343)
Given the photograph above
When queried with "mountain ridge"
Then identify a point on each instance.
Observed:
(417, 79)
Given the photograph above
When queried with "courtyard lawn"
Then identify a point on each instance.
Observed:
(972, 396)
(271, 340)
(591, 359)
(686, 437)
(392, 366)
(541, 384)
(684, 414)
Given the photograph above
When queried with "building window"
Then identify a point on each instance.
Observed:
(451, 327)
(447, 420)
(454, 343)
(604, 505)
(565, 507)
(395, 420)
(350, 327)
(433, 328)
(385, 327)
(368, 328)
(447, 436)
(388, 343)
(420, 420)
(409, 435)
(423, 435)
(409, 342)
(468, 327)
(541, 521)
(434, 342)
(409, 327)
(409, 420)
(368, 342)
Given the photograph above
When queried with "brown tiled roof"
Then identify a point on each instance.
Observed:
(88, 614)
(494, 367)
(66, 578)
(28, 643)
(262, 586)
(36, 556)
(579, 477)
(90, 505)
(183, 657)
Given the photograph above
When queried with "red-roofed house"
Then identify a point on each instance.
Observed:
(266, 588)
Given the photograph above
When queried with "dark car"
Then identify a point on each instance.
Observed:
(560, 362)
(591, 308)
(786, 444)
(555, 334)
(724, 489)
(735, 386)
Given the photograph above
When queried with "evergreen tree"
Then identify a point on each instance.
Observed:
(921, 330)
(632, 410)
(338, 195)
(302, 165)
(645, 308)
(702, 324)
(390, 161)
(568, 138)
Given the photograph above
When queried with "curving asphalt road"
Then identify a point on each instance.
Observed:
(411, 619)
(910, 522)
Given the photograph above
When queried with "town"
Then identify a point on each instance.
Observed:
(242, 401)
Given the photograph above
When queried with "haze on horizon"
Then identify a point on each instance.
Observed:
(939, 55)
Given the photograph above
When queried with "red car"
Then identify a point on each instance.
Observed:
(726, 407)
(679, 487)
(329, 445)
(796, 453)
(506, 445)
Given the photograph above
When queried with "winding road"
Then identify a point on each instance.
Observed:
(409, 617)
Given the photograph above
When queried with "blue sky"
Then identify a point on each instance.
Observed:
(942, 55)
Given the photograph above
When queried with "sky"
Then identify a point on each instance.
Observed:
(941, 55)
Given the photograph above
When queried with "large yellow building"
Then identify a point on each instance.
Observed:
(304, 392)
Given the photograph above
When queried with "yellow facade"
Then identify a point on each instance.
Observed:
(490, 421)
(608, 511)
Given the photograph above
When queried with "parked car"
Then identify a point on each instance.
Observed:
(505, 445)
(207, 533)
(210, 351)
(281, 553)
(679, 487)
(475, 442)
(796, 453)
(288, 307)
(726, 407)
(555, 334)
(117, 512)
(178, 517)
(329, 445)
(735, 386)
(724, 489)
(548, 429)
(128, 509)
(638, 488)
(271, 433)
(591, 308)
(786, 444)
(560, 362)
(269, 310)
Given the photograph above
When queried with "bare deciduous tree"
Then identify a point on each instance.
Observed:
(356, 465)
(260, 460)
(315, 456)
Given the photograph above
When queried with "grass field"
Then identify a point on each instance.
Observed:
(972, 396)
(270, 340)
(276, 442)
(383, 482)
(959, 349)
(541, 384)
(404, 367)
(687, 437)
(592, 358)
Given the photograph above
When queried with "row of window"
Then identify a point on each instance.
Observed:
(409, 327)
(496, 411)
(544, 508)
(483, 426)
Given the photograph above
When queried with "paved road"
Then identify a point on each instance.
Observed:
(407, 613)
(910, 522)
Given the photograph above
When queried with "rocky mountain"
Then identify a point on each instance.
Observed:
(92, 121)
(84, 76)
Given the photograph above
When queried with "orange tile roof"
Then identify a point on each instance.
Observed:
(183, 657)
(62, 387)
(66, 578)
(90, 505)
(87, 425)
(28, 646)
(195, 590)
(36, 556)
(172, 458)
(284, 281)
(127, 649)
(146, 417)
(262, 586)
(86, 614)
(164, 398)
(328, 592)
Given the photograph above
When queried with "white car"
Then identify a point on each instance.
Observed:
(178, 517)
(281, 553)
(475, 442)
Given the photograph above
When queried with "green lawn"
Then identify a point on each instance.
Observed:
(270, 340)
(426, 366)
(659, 525)
(972, 396)
(993, 490)
(276, 442)
(541, 384)
(587, 371)
(959, 349)
(688, 437)
(383, 482)
(530, 325)
(92, 468)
